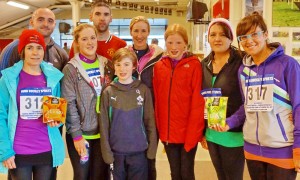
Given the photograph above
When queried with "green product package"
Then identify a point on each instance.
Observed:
(216, 110)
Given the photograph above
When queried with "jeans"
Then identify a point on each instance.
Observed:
(181, 162)
(229, 162)
(259, 170)
(131, 167)
(41, 172)
(95, 168)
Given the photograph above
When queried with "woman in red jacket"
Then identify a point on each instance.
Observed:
(179, 105)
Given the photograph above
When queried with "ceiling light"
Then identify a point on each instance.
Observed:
(17, 4)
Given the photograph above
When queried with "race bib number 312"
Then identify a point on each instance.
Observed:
(259, 93)
(31, 102)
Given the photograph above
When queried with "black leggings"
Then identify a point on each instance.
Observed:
(95, 168)
(228, 162)
(39, 172)
(264, 171)
(181, 162)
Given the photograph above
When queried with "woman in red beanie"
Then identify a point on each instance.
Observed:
(29, 148)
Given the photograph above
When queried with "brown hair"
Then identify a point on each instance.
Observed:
(77, 30)
(225, 28)
(123, 53)
(177, 29)
(252, 21)
(249, 22)
(139, 19)
(99, 4)
(22, 54)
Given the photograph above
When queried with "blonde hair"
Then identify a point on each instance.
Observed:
(124, 53)
(137, 19)
(77, 31)
(177, 29)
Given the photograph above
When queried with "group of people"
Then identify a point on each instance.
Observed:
(122, 99)
(262, 86)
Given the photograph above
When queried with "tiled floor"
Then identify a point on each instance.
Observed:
(203, 167)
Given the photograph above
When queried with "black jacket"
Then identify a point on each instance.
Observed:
(227, 80)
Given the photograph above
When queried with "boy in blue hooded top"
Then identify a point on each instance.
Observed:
(127, 124)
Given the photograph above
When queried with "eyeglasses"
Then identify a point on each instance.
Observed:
(254, 35)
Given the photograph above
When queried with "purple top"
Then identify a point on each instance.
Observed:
(31, 134)
(174, 62)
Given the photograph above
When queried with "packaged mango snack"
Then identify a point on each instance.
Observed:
(54, 109)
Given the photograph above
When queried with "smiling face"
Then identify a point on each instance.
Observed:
(43, 20)
(140, 33)
(87, 42)
(101, 18)
(124, 69)
(175, 46)
(255, 45)
(218, 40)
(34, 54)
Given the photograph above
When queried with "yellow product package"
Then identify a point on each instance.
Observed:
(216, 110)
(54, 109)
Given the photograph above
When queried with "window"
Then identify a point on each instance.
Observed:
(118, 27)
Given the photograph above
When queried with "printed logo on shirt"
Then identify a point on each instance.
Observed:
(186, 65)
(114, 98)
(140, 100)
(138, 91)
(111, 52)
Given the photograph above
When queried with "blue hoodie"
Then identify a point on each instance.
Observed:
(270, 135)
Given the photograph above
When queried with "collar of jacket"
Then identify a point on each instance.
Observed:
(11, 74)
(277, 50)
(135, 83)
(75, 61)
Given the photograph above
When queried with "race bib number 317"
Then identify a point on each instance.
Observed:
(31, 102)
(259, 93)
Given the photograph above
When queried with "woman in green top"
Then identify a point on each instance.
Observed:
(220, 79)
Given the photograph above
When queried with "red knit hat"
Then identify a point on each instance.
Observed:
(30, 36)
(223, 21)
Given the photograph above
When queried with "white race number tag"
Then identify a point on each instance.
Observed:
(94, 75)
(31, 102)
(259, 93)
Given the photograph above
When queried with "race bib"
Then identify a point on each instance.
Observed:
(94, 74)
(259, 93)
(31, 102)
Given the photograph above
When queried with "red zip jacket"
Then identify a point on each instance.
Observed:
(179, 106)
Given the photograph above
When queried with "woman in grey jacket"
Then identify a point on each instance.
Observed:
(81, 86)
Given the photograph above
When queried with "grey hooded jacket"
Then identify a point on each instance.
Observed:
(76, 88)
